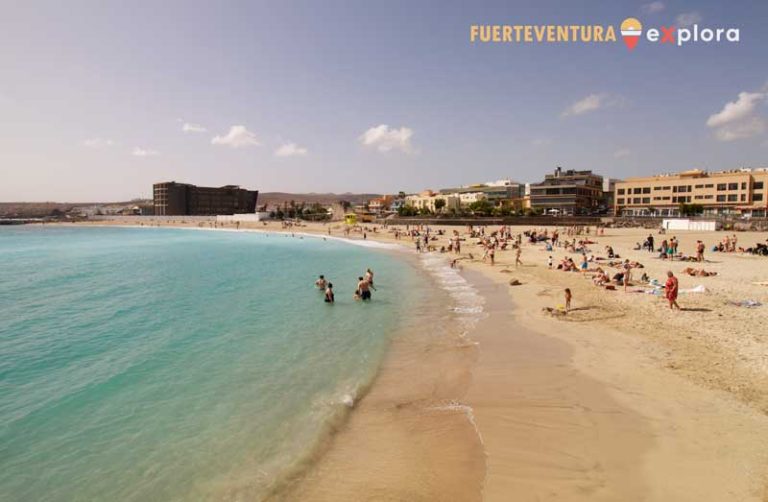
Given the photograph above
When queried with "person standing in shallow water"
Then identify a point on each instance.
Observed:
(369, 278)
(329, 296)
(321, 283)
(363, 289)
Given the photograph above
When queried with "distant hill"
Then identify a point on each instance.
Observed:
(43, 209)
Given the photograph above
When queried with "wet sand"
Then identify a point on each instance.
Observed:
(551, 431)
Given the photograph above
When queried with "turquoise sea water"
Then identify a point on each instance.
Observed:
(169, 364)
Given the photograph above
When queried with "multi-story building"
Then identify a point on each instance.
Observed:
(467, 198)
(494, 191)
(567, 192)
(182, 199)
(740, 192)
(381, 204)
(427, 199)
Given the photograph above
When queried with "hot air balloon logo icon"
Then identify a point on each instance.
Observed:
(631, 29)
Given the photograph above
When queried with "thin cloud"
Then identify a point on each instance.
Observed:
(290, 150)
(739, 119)
(237, 137)
(142, 152)
(687, 19)
(385, 139)
(98, 143)
(190, 127)
(621, 153)
(589, 104)
(653, 8)
(754, 126)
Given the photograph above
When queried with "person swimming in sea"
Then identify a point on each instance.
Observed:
(321, 283)
(329, 297)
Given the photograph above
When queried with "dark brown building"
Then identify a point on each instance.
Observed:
(568, 192)
(182, 199)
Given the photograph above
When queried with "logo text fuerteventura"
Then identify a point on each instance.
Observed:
(630, 31)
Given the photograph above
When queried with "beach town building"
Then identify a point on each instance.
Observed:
(567, 192)
(493, 191)
(381, 204)
(426, 201)
(742, 192)
(468, 198)
(182, 199)
(396, 204)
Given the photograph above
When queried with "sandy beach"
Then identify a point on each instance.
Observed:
(619, 399)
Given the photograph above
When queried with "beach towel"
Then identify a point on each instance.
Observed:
(698, 289)
(747, 303)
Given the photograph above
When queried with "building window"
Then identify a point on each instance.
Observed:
(646, 200)
(647, 190)
(620, 201)
(721, 187)
(743, 185)
(733, 186)
(757, 197)
(743, 197)
(621, 191)
(758, 185)
(708, 186)
(636, 200)
(732, 197)
(657, 188)
(637, 190)
(721, 198)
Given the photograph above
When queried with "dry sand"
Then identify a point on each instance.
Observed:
(621, 399)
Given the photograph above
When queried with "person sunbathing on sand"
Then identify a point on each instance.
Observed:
(700, 272)
(601, 278)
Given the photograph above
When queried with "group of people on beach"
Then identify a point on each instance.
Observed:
(362, 292)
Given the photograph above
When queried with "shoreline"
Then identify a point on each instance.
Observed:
(694, 438)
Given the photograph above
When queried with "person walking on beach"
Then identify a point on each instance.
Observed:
(492, 255)
(627, 273)
(699, 251)
(651, 249)
(568, 298)
(672, 289)
(329, 297)
(363, 289)
(519, 251)
(549, 262)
